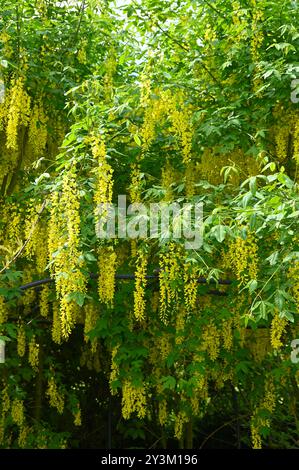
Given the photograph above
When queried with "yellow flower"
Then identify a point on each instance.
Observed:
(133, 400)
(77, 417)
(243, 259)
(140, 285)
(18, 113)
(17, 412)
(211, 340)
(278, 326)
(107, 267)
(3, 310)
(21, 340)
(180, 420)
(56, 398)
(33, 357)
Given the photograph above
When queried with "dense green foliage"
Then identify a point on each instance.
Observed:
(187, 102)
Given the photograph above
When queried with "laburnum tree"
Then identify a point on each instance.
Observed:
(142, 342)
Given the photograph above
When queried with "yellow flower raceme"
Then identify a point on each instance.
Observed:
(107, 268)
(3, 310)
(104, 179)
(180, 421)
(211, 340)
(140, 285)
(255, 437)
(77, 417)
(67, 262)
(37, 133)
(136, 184)
(190, 286)
(227, 333)
(56, 397)
(133, 400)
(23, 436)
(162, 412)
(44, 301)
(18, 113)
(33, 357)
(17, 412)
(242, 258)
(110, 69)
(21, 340)
(114, 370)
(293, 275)
(169, 264)
(278, 327)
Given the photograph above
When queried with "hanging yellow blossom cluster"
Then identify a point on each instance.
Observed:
(136, 184)
(5, 407)
(107, 268)
(255, 435)
(133, 400)
(164, 103)
(37, 133)
(104, 181)
(180, 116)
(211, 340)
(23, 436)
(140, 285)
(152, 115)
(21, 340)
(77, 416)
(66, 256)
(56, 236)
(180, 324)
(278, 327)
(227, 333)
(168, 178)
(293, 274)
(239, 21)
(33, 355)
(17, 412)
(7, 49)
(256, 38)
(242, 258)
(257, 35)
(44, 306)
(81, 55)
(91, 316)
(190, 285)
(180, 420)
(257, 421)
(110, 69)
(296, 141)
(3, 310)
(169, 268)
(18, 112)
(56, 397)
(190, 178)
(162, 412)
(114, 370)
